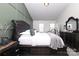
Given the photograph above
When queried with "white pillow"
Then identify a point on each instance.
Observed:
(35, 31)
(27, 32)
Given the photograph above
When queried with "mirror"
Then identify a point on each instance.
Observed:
(72, 24)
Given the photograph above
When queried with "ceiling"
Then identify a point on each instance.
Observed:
(39, 11)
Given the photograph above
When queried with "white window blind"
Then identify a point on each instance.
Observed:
(41, 27)
(52, 26)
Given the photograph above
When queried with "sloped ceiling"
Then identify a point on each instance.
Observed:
(39, 11)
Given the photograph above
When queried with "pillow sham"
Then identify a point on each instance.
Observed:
(27, 32)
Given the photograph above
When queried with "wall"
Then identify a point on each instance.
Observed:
(16, 11)
(71, 10)
(45, 22)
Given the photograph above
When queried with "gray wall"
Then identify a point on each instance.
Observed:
(16, 11)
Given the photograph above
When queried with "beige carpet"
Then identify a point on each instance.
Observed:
(71, 52)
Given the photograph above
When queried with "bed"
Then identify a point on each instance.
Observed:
(40, 43)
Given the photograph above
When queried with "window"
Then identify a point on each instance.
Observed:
(41, 27)
(52, 26)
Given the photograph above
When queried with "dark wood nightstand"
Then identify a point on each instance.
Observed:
(8, 49)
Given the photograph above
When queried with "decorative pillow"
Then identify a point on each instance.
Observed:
(53, 31)
(32, 32)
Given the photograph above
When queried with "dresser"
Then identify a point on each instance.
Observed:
(70, 39)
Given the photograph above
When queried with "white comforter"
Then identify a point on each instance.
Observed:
(43, 39)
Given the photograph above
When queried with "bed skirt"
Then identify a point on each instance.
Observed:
(40, 50)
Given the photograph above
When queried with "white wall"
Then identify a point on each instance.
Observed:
(71, 10)
(45, 22)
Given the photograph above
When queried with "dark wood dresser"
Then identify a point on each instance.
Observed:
(70, 39)
(8, 49)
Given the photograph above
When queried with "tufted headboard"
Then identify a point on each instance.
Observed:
(18, 27)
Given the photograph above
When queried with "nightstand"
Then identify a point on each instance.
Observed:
(8, 49)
